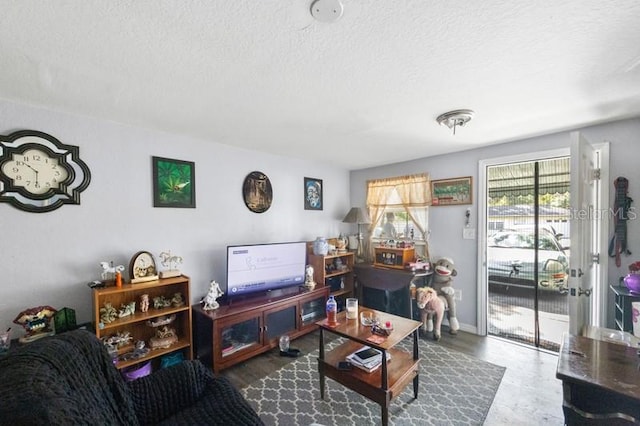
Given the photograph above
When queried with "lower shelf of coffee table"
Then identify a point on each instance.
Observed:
(401, 369)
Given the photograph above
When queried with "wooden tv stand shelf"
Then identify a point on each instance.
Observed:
(233, 333)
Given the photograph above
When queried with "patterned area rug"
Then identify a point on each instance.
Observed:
(455, 389)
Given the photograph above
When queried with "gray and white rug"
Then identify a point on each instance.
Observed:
(455, 389)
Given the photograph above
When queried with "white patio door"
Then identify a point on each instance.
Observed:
(589, 224)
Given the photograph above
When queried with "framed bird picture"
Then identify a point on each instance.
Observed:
(174, 183)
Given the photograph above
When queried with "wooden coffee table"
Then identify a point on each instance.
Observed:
(387, 382)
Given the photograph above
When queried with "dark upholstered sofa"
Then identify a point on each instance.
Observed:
(70, 379)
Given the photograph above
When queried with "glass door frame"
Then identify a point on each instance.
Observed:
(483, 285)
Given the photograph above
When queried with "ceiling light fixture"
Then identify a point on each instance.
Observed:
(453, 119)
(326, 10)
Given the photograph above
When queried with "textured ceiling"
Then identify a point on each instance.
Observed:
(360, 92)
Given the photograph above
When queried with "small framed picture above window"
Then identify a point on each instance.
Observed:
(451, 192)
(312, 194)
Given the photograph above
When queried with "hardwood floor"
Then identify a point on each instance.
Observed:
(529, 393)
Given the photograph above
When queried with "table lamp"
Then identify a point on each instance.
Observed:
(358, 216)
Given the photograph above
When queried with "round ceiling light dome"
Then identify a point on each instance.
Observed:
(327, 10)
(453, 119)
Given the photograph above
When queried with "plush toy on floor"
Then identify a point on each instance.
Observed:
(430, 305)
(442, 283)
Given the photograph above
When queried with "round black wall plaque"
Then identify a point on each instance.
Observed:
(257, 192)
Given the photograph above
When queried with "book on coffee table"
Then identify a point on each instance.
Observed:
(367, 355)
(367, 359)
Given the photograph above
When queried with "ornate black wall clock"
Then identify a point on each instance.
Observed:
(38, 173)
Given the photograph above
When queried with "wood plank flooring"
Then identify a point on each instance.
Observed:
(529, 393)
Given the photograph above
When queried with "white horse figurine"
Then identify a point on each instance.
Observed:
(108, 268)
(168, 261)
(209, 300)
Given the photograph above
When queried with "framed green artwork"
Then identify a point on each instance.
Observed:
(451, 192)
(174, 183)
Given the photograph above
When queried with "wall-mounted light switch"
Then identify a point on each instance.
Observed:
(469, 233)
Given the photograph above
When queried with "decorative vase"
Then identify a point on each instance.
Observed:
(632, 282)
(320, 246)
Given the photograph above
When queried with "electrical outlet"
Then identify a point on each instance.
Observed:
(458, 295)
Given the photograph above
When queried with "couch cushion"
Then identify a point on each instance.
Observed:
(64, 379)
(220, 404)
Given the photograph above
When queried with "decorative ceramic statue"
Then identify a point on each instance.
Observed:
(36, 322)
(177, 300)
(341, 244)
(109, 271)
(144, 302)
(309, 283)
(210, 302)
(171, 262)
(164, 338)
(108, 313)
(127, 309)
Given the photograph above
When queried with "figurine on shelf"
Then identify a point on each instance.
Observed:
(171, 262)
(339, 264)
(109, 271)
(210, 302)
(118, 340)
(164, 320)
(177, 300)
(144, 302)
(164, 338)
(161, 302)
(127, 309)
(341, 244)
(141, 349)
(36, 322)
(309, 283)
(108, 313)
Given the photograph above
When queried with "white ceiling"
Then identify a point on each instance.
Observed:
(360, 92)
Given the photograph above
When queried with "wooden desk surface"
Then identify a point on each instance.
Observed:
(609, 366)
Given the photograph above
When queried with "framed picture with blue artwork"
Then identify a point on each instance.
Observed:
(312, 194)
(174, 183)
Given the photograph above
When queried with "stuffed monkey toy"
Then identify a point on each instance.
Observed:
(442, 283)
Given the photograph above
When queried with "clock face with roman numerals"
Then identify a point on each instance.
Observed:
(38, 173)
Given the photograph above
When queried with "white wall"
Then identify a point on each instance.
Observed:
(446, 222)
(47, 258)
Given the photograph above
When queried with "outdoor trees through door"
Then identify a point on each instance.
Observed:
(526, 262)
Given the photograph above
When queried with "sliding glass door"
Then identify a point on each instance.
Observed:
(527, 250)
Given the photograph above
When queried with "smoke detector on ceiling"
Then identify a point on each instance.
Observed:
(326, 10)
(453, 119)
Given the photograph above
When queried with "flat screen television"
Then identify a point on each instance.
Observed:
(260, 268)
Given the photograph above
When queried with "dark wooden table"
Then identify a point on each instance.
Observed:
(387, 289)
(387, 382)
(600, 382)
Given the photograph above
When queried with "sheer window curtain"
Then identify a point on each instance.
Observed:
(412, 192)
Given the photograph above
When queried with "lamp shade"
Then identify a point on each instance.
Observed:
(356, 215)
